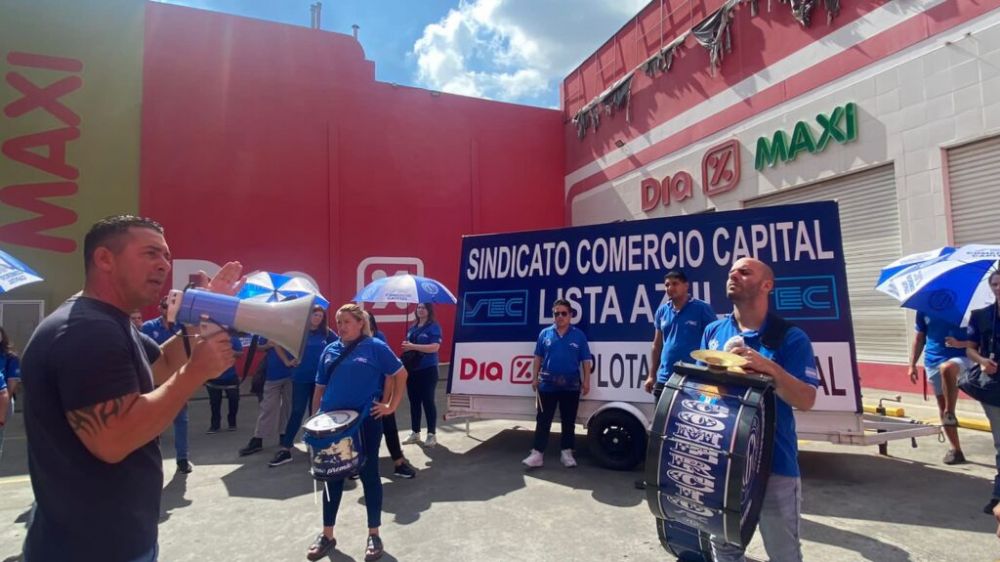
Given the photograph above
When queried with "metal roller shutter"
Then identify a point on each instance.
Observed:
(869, 224)
(974, 174)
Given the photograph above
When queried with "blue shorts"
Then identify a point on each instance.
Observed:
(934, 373)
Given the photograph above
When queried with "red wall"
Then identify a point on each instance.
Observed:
(757, 42)
(273, 145)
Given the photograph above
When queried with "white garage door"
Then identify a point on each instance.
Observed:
(869, 223)
(974, 174)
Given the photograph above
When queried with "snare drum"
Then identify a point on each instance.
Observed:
(709, 458)
(335, 443)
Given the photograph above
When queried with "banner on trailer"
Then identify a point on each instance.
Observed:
(613, 276)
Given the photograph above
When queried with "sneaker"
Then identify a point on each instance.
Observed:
(404, 470)
(231, 428)
(280, 458)
(184, 466)
(354, 476)
(255, 445)
(566, 458)
(431, 440)
(954, 457)
(414, 438)
(988, 508)
(534, 460)
(949, 420)
(212, 431)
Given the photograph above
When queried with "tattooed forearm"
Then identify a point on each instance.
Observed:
(93, 419)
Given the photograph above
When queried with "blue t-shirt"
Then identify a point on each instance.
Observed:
(10, 366)
(3, 382)
(158, 331)
(276, 368)
(316, 342)
(682, 330)
(935, 350)
(428, 333)
(229, 376)
(795, 355)
(561, 357)
(359, 379)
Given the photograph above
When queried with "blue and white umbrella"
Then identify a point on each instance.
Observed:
(14, 273)
(909, 261)
(948, 287)
(264, 286)
(405, 288)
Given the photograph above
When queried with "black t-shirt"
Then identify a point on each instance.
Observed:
(85, 353)
(982, 330)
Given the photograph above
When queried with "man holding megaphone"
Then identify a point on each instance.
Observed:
(93, 410)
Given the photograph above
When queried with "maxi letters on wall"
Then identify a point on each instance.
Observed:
(613, 275)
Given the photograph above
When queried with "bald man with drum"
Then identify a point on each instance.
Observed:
(772, 347)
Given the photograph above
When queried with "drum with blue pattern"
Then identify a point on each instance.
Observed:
(709, 458)
(335, 443)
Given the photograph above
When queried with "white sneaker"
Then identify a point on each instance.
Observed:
(566, 458)
(413, 438)
(431, 440)
(534, 460)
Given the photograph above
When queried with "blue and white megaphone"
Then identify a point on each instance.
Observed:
(285, 323)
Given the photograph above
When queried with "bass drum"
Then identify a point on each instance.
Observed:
(709, 458)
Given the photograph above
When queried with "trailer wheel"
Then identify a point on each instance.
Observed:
(617, 440)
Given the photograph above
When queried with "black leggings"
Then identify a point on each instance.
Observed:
(420, 387)
(370, 481)
(215, 403)
(391, 433)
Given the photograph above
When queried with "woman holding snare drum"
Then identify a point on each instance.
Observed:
(368, 378)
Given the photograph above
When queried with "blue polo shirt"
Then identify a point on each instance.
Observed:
(10, 366)
(682, 330)
(157, 330)
(276, 368)
(359, 379)
(795, 355)
(428, 333)
(561, 358)
(935, 350)
(316, 342)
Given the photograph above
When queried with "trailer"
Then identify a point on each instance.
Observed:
(612, 273)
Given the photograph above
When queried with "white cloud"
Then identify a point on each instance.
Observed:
(515, 50)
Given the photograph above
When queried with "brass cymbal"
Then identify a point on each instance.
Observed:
(719, 358)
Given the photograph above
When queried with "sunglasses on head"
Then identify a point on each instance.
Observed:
(560, 313)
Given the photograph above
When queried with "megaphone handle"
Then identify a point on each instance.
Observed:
(208, 328)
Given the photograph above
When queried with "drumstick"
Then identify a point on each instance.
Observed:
(538, 402)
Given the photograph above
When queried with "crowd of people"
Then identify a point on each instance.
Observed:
(99, 472)
(95, 463)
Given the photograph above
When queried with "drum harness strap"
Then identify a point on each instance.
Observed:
(774, 331)
(331, 369)
(775, 328)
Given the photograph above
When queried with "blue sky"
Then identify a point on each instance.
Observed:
(508, 50)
